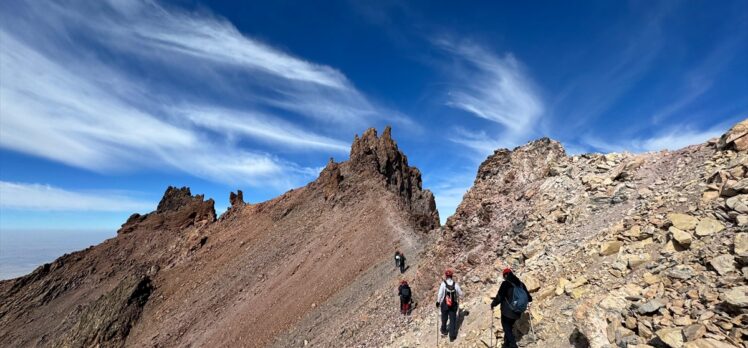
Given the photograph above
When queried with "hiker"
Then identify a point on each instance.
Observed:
(448, 301)
(514, 299)
(400, 261)
(405, 297)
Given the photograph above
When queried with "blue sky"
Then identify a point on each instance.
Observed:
(104, 104)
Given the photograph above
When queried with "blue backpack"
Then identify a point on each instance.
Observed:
(519, 300)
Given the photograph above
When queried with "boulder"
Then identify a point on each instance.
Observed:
(634, 232)
(735, 138)
(683, 221)
(723, 264)
(694, 332)
(737, 296)
(673, 337)
(738, 203)
(707, 343)
(682, 272)
(742, 220)
(650, 307)
(683, 238)
(578, 282)
(614, 303)
(708, 226)
(741, 244)
(577, 293)
(532, 283)
(532, 249)
(635, 261)
(610, 248)
(709, 196)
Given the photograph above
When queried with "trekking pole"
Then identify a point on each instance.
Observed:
(438, 328)
(532, 329)
(490, 339)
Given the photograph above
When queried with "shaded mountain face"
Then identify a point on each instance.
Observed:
(182, 276)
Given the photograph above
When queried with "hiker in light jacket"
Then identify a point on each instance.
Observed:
(503, 296)
(400, 261)
(447, 299)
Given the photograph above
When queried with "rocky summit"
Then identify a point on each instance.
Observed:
(617, 250)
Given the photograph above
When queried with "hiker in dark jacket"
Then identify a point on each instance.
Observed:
(400, 261)
(405, 297)
(503, 297)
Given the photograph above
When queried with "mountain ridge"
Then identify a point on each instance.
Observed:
(645, 250)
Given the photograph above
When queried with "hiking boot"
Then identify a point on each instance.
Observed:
(444, 333)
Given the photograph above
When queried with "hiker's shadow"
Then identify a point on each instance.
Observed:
(405, 269)
(461, 314)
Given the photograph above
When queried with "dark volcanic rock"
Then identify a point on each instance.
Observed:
(108, 320)
(370, 153)
(236, 199)
(178, 209)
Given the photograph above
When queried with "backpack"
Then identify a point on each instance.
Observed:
(518, 301)
(450, 297)
(405, 292)
(397, 260)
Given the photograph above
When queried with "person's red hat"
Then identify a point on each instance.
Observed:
(403, 282)
(506, 271)
(448, 273)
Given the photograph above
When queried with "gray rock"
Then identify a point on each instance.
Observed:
(738, 203)
(673, 337)
(650, 307)
(737, 296)
(681, 272)
(723, 264)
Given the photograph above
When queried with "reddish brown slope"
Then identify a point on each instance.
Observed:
(178, 278)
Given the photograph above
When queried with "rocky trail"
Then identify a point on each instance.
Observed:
(618, 250)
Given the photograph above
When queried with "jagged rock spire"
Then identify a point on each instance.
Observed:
(380, 155)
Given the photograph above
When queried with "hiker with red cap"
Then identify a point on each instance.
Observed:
(514, 299)
(405, 297)
(448, 301)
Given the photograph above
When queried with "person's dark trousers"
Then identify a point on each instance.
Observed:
(404, 305)
(507, 324)
(402, 266)
(449, 314)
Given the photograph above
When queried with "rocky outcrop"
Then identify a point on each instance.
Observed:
(108, 320)
(381, 156)
(330, 179)
(178, 209)
(645, 250)
(236, 199)
(505, 182)
(735, 138)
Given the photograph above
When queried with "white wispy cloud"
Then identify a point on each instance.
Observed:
(493, 88)
(673, 138)
(65, 99)
(37, 197)
(476, 140)
(202, 44)
(259, 126)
